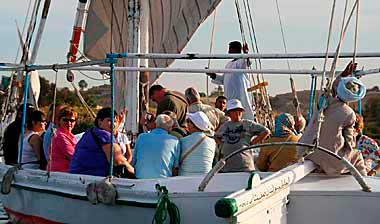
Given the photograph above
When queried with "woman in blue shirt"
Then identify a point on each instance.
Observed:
(92, 153)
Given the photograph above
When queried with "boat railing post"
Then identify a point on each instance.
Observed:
(311, 96)
(26, 88)
(112, 59)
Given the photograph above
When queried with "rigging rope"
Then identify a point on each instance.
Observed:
(252, 36)
(250, 29)
(251, 32)
(296, 102)
(23, 27)
(356, 32)
(337, 52)
(328, 44)
(81, 99)
(323, 101)
(282, 34)
(31, 28)
(95, 79)
(240, 21)
(210, 51)
(360, 111)
(84, 58)
(165, 207)
(52, 133)
(262, 105)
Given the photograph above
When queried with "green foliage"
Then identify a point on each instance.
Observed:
(82, 84)
(202, 94)
(84, 121)
(372, 118)
(68, 97)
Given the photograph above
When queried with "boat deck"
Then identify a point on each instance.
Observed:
(321, 199)
(343, 185)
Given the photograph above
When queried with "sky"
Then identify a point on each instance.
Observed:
(305, 24)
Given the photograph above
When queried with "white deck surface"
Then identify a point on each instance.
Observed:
(319, 199)
(345, 184)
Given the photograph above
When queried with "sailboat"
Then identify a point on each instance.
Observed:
(292, 195)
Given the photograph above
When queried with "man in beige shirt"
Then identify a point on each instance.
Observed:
(337, 130)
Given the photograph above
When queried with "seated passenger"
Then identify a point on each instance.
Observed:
(214, 115)
(239, 133)
(52, 125)
(368, 148)
(337, 130)
(148, 122)
(156, 154)
(63, 143)
(275, 158)
(197, 149)
(10, 140)
(371, 154)
(35, 125)
(177, 131)
(122, 138)
(92, 153)
(300, 123)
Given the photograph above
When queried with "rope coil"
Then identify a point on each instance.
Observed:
(165, 207)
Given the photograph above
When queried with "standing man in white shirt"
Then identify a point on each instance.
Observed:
(236, 84)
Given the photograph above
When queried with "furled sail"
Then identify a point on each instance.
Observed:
(172, 24)
(34, 89)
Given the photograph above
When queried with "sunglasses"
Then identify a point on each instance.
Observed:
(68, 120)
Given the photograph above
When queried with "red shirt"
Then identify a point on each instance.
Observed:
(63, 149)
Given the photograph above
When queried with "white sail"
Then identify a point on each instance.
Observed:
(172, 24)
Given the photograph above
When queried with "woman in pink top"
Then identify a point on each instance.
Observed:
(63, 143)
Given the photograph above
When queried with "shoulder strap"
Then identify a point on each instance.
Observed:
(192, 149)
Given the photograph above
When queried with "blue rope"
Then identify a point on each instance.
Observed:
(112, 65)
(311, 98)
(26, 88)
(360, 108)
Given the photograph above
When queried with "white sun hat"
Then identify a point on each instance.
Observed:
(234, 104)
(200, 120)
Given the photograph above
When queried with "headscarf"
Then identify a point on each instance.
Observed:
(284, 125)
(348, 96)
(369, 149)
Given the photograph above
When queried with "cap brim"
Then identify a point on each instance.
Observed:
(236, 108)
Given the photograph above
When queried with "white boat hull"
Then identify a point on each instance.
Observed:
(62, 198)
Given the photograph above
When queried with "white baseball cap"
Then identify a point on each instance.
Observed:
(200, 120)
(234, 104)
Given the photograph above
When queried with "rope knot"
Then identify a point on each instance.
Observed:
(165, 207)
(54, 68)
